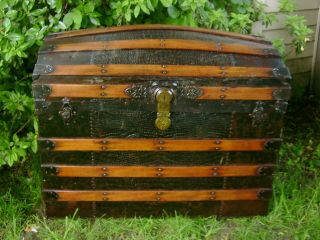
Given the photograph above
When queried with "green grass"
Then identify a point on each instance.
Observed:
(295, 208)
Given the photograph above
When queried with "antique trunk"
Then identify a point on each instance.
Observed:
(155, 119)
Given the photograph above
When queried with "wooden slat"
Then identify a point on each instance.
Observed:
(156, 171)
(159, 70)
(144, 144)
(97, 31)
(157, 196)
(118, 91)
(178, 44)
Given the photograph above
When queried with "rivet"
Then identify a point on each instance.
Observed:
(160, 148)
(103, 71)
(217, 148)
(212, 198)
(104, 169)
(217, 142)
(223, 89)
(103, 86)
(161, 142)
(104, 175)
(215, 174)
(104, 148)
(159, 193)
(158, 199)
(222, 96)
(104, 141)
(215, 168)
(159, 174)
(103, 94)
(160, 169)
(104, 193)
(213, 193)
(222, 68)
(164, 66)
(104, 199)
(103, 66)
(164, 72)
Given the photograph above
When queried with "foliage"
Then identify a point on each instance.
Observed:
(24, 24)
(296, 27)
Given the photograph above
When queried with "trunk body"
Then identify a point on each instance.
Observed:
(153, 119)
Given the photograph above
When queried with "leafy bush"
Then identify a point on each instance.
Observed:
(24, 24)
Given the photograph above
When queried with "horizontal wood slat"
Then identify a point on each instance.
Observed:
(118, 91)
(158, 70)
(178, 44)
(143, 144)
(97, 31)
(157, 196)
(155, 171)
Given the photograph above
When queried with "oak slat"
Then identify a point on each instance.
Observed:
(118, 91)
(158, 196)
(97, 31)
(156, 171)
(178, 44)
(159, 70)
(143, 144)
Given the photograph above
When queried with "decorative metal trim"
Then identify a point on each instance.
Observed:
(190, 92)
(141, 91)
(49, 145)
(281, 106)
(265, 170)
(264, 194)
(138, 91)
(281, 73)
(51, 195)
(51, 170)
(67, 112)
(272, 144)
(258, 115)
(281, 94)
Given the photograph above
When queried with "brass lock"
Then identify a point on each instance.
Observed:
(164, 97)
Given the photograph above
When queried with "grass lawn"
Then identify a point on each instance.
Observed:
(295, 208)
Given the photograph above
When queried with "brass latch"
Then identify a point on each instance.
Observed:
(164, 97)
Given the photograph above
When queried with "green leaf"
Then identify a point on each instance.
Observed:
(166, 3)
(89, 7)
(12, 14)
(173, 12)
(149, 5)
(144, 9)
(128, 15)
(77, 18)
(95, 21)
(136, 11)
(15, 37)
(68, 19)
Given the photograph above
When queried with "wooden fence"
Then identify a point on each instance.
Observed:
(300, 65)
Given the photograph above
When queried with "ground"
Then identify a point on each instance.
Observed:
(295, 208)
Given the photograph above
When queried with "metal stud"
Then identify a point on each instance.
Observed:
(104, 169)
(223, 89)
(164, 72)
(103, 87)
(160, 169)
(217, 142)
(217, 148)
(103, 71)
(159, 174)
(104, 175)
